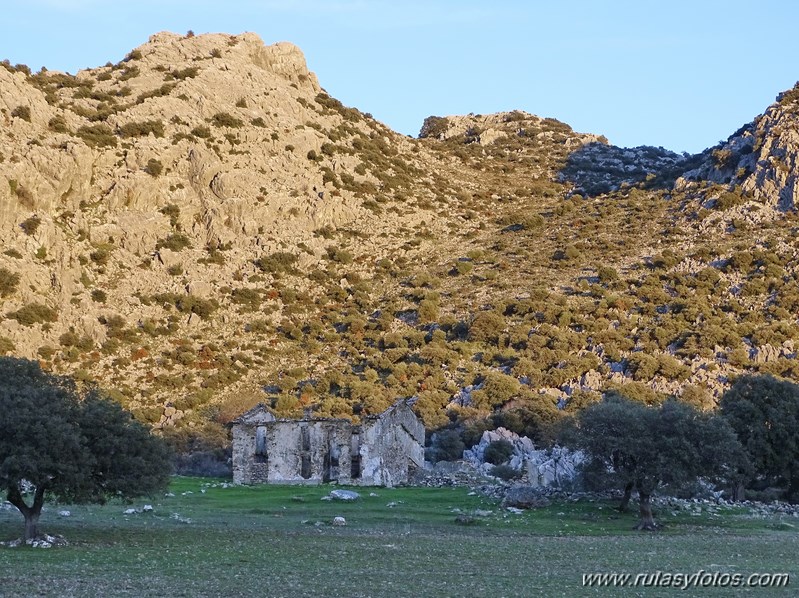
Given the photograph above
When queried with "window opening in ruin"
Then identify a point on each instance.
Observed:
(355, 457)
(305, 467)
(305, 457)
(260, 444)
(331, 464)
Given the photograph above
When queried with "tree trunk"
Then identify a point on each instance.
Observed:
(647, 521)
(31, 526)
(737, 493)
(30, 513)
(625, 500)
(793, 488)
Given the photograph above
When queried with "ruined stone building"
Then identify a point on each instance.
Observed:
(380, 451)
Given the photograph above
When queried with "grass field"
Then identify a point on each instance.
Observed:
(279, 541)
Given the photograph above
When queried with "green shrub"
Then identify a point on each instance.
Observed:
(174, 242)
(607, 274)
(68, 339)
(162, 91)
(249, 298)
(188, 303)
(130, 72)
(188, 73)
(30, 225)
(22, 112)
(336, 254)
(277, 263)
(461, 267)
(101, 254)
(142, 128)
(173, 212)
(99, 296)
(58, 124)
(521, 221)
(446, 446)
(223, 119)
(33, 313)
(202, 132)
(728, 199)
(497, 389)
(505, 472)
(97, 135)
(8, 282)
(486, 327)
(154, 167)
(498, 452)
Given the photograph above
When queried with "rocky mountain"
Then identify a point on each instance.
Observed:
(201, 227)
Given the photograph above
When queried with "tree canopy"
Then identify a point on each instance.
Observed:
(644, 447)
(75, 446)
(764, 412)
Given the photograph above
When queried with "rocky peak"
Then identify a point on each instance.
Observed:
(283, 58)
(761, 159)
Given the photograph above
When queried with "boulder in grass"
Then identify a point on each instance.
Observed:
(346, 495)
(524, 497)
(339, 521)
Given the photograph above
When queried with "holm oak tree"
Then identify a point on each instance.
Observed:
(646, 447)
(764, 412)
(72, 445)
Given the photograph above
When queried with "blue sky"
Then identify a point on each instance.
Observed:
(677, 74)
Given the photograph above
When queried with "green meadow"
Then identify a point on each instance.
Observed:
(210, 540)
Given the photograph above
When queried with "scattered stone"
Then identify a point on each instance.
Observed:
(373, 494)
(346, 495)
(64, 514)
(181, 519)
(130, 511)
(147, 508)
(339, 521)
(169, 495)
(43, 541)
(298, 499)
(465, 520)
(482, 513)
(514, 510)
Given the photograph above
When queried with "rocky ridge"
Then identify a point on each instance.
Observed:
(201, 224)
(761, 158)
